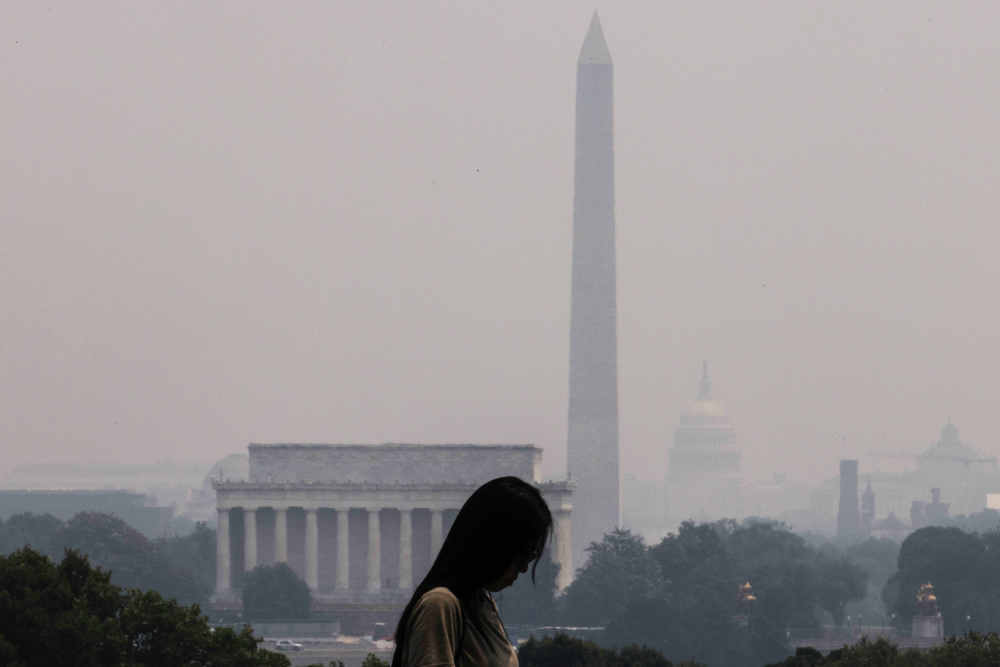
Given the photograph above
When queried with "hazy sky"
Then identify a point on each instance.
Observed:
(350, 222)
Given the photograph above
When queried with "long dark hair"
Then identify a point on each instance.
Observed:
(503, 520)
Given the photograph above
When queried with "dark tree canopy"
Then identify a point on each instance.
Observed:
(180, 567)
(964, 569)
(38, 531)
(564, 651)
(972, 650)
(275, 592)
(619, 569)
(530, 602)
(71, 614)
(688, 605)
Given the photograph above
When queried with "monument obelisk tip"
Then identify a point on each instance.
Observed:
(594, 50)
(592, 436)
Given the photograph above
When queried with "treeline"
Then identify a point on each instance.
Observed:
(965, 570)
(562, 650)
(182, 568)
(682, 596)
(71, 614)
(972, 650)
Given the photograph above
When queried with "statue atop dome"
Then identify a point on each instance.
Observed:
(705, 388)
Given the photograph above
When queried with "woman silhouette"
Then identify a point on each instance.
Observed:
(452, 618)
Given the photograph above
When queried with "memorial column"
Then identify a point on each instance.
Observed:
(343, 550)
(222, 553)
(405, 549)
(437, 532)
(562, 550)
(312, 550)
(281, 534)
(249, 538)
(374, 551)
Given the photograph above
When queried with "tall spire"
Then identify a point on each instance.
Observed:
(594, 50)
(705, 387)
(592, 438)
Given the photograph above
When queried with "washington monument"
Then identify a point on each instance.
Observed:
(592, 447)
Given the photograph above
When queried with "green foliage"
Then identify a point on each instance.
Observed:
(57, 615)
(190, 565)
(971, 650)
(38, 531)
(275, 592)
(619, 570)
(877, 558)
(182, 568)
(840, 580)
(565, 651)
(687, 606)
(71, 614)
(531, 603)
(372, 660)
(965, 571)
(114, 545)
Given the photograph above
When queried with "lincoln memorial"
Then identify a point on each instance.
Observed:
(360, 524)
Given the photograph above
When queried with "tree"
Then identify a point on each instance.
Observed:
(275, 592)
(371, 660)
(190, 564)
(972, 650)
(839, 581)
(962, 570)
(877, 558)
(55, 616)
(565, 651)
(619, 569)
(530, 602)
(39, 531)
(879, 653)
(113, 545)
(180, 567)
(71, 614)
(696, 612)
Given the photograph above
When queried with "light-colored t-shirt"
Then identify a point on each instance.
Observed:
(434, 628)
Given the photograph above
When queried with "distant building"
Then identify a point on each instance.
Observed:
(959, 472)
(848, 517)
(361, 524)
(891, 528)
(169, 482)
(704, 477)
(135, 509)
(934, 513)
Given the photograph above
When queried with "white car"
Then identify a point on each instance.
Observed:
(287, 645)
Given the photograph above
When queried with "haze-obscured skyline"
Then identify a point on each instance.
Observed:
(351, 223)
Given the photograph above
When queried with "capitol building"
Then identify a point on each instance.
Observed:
(704, 477)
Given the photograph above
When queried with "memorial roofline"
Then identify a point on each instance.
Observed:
(231, 485)
(391, 445)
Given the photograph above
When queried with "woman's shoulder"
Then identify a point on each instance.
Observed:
(439, 596)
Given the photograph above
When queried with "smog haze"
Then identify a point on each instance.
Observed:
(351, 222)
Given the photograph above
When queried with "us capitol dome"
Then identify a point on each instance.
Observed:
(704, 474)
